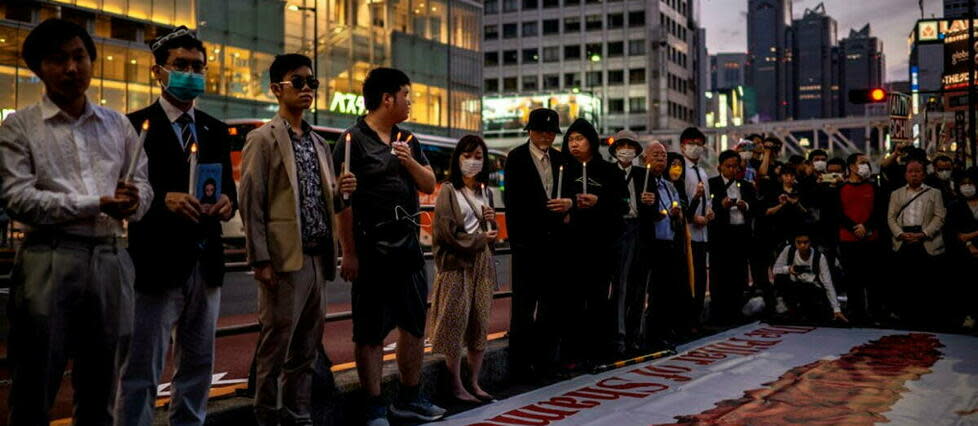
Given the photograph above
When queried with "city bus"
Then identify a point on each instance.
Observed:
(438, 150)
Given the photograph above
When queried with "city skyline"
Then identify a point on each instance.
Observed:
(723, 36)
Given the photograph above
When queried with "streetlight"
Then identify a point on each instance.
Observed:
(315, 52)
(593, 59)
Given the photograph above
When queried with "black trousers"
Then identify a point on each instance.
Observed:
(806, 302)
(668, 292)
(913, 267)
(861, 263)
(587, 326)
(535, 328)
(700, 274)
(629, 282)
(729, 261)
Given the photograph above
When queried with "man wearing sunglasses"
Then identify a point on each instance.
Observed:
(177, 248)
(288, 198)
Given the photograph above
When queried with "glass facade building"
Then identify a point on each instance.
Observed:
(436, 42)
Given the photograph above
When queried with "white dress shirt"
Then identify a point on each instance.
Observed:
(544, 164)
(632, 207)
(471, 216)
(55, 168)
(783, 267)
(693, 177)
(913, 215)
(173, 113)
(733, 193)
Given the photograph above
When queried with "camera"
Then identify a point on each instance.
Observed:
(803, 269)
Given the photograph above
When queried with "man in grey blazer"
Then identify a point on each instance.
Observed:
(288, 197)
(915, 218)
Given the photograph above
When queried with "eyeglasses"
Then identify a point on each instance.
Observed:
(298, 82)
(185, 66)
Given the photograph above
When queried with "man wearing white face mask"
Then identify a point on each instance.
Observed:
(700, 212)
(941, 178)
(631, 271)
(861, 218)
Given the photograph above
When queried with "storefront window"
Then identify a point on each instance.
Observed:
(244, 72)
(113, 62)
(163, 11)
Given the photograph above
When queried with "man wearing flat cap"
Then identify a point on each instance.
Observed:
(536, 221)
(627, 299)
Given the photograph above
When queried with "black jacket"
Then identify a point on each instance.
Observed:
(165, 247)
(721, 225)
(528, 221)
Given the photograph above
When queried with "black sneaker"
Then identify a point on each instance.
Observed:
(419, 409)
(377, 416)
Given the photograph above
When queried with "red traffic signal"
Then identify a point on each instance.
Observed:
(868, 96)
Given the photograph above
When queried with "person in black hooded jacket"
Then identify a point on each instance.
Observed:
(596, 223)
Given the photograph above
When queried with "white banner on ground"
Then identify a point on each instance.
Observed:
(766, 374)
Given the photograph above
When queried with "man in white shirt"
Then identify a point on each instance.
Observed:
(700, 213)
(68, 175)
(803, 278)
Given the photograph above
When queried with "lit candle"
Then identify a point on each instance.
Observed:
(346, 162)
(560, 181)
(675, 204)
(487, 194)
(134, 159)
(395, 141)
(193, 169)
(584, 178)
(648, 171)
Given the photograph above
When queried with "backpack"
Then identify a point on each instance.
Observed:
(816, 262)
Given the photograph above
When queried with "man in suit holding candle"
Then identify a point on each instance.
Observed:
(628, 295)
(730, 238)
(177, 248)
(537, 201)
(288, 196)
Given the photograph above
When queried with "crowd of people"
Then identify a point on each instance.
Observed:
(610, 257)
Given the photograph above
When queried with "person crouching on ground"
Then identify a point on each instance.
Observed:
(803, 279)
(464, 230)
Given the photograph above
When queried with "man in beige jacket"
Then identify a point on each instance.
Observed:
(288, 196)
(916, 218)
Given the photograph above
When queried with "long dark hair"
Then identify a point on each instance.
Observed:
(468, 143)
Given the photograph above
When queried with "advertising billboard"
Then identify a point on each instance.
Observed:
(957, 60)
(510, 113)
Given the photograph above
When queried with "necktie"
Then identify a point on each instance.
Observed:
(548, 178)
(699, 179)
(186, 132)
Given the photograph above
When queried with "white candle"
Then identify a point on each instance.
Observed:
(584, 177)
(346, 162)
(487, 194)
(560, 181)
(648, 171)
(134, 159)
(193, 169)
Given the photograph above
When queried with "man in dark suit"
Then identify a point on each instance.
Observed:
(177, 249)
(631, 274)
(536, 220)
(730, 236)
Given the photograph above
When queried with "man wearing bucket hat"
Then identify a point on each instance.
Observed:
(535, 219)
(631, 271)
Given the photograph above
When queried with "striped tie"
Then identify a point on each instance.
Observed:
(186, 132)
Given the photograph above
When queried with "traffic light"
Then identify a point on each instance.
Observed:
(868, 96)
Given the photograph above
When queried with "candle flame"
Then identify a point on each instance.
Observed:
(398, 137)
(409, 138)
(193, 149)
(664, 212)
(146, 125)
(675, 203)
(347, 137)
(561, 168)
(648, 166)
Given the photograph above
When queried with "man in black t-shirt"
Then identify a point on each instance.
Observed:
(379, 237)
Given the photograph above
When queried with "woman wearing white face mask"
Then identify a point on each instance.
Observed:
(963, 225)
(464, 229)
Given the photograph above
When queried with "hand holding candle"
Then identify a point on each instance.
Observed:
(137, 152)
(193, 170)
(346, 161)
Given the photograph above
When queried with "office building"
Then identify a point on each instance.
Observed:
(623, 64)
(728, 70)
(437, 42)
(768, 52)
(863, 66)
(815, 65)
(955, 9)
